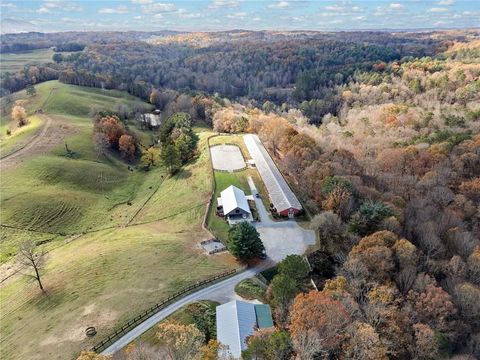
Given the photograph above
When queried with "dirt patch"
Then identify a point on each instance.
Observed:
(227, 158)
(100, 319)
(53, 133)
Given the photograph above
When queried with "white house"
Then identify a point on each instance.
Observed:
(233, 204)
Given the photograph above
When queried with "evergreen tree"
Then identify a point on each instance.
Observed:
(171, 159)
(244, 241)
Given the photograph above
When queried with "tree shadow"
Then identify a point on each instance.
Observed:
(183, 174)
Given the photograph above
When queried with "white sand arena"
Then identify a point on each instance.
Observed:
(227, 158)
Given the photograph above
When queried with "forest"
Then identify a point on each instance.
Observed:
(393, 182)
(298, 69)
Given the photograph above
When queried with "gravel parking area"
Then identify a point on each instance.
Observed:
(281, 238)
(227, 158)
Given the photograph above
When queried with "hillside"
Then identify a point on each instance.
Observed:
(393, 181)
(112, 233)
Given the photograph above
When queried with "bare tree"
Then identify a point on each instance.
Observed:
(32, 259)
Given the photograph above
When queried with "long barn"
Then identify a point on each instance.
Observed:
(281, 196)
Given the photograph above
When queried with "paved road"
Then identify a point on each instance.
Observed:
(222, 292)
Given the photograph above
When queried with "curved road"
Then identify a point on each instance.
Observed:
(222, 292)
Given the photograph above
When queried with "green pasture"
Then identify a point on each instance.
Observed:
(15, 62)
(119, 239)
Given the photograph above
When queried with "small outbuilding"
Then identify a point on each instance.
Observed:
(152, 121)
(233, 204)
(237, 320)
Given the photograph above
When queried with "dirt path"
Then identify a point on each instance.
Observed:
(52, 134)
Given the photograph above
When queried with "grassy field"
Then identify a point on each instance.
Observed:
(16, 62)
(136, 233)
(58, 195)
(216, 224)
(19, 136)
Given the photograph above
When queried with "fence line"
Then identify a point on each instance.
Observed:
(117, 334)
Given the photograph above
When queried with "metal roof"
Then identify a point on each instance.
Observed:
(280, 193)
(233, 198)
(236, 321)
(264, 316)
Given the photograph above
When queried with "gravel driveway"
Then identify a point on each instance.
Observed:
(280, 238)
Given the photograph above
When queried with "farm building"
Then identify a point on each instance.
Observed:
(151, 120)
(233, 204)
(237, 320)
(281, 196)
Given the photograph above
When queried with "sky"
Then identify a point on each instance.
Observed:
(211, 15)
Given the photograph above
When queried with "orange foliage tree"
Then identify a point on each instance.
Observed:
(126, 145)
(112, 128)
(180, 341)
(318, 324)
(19, 115)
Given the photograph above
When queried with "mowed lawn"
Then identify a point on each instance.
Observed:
(51, 195)
(133, 237)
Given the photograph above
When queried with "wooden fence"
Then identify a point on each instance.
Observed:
(117, 334)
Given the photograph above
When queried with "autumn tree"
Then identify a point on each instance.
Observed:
(179, 341)
(211, 350)
(31, 258)
(126, 145)
(272, 132)
(365, 343)
(150, 157)
(433, 306)
(318, 325)
(473, 264)
(244, 241)
(268, 344)
(374, 253)
(426, 345)
(90, 355)
(467, 296)
(19, 115)
(111, 128)
(154, 98)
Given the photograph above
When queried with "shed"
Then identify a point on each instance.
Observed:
(237, 320)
